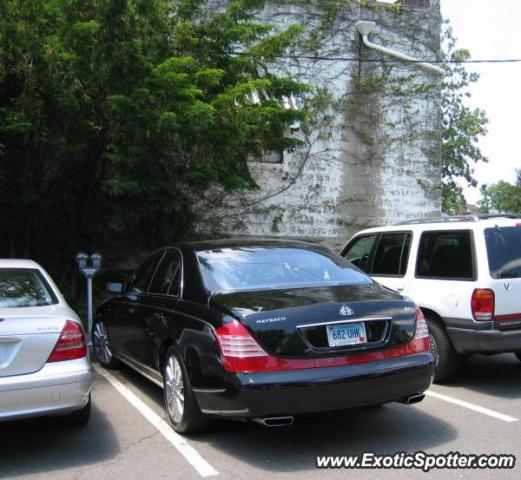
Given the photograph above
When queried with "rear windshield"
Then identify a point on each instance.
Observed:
(265, 268)
(504, 251)
(24, 288)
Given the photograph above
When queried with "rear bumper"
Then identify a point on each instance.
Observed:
(486, 341)
(315, 390)
(57, 388)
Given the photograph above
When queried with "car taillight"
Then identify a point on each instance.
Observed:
(70, 345)
(422, 329)
(239, 350)
(482, 304)
(241, 353)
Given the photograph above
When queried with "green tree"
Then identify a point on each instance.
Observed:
(502, 196)
(462, 128)
(114, 114)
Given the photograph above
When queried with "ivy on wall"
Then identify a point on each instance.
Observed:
(373, 90)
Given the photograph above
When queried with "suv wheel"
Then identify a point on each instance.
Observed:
(449, 361)
(181, 405)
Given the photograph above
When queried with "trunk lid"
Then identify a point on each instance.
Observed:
(503, 243)
(301, 323)
(27, 337)
(507, 314)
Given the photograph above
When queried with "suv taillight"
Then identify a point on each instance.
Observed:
(70, 345)
(422, 329)
(482, 304)
(240, 351)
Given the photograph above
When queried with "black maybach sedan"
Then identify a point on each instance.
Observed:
(263, 331)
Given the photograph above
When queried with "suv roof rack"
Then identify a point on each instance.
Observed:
(471, 217)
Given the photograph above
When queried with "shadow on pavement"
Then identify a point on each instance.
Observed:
(389, 429)
(41, 445)
(495, 375)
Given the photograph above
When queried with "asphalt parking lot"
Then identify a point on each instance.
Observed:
(126, 438)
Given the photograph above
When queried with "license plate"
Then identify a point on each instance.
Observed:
(347, 334)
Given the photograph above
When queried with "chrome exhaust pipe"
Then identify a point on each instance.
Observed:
(275, 421)
(411, 399)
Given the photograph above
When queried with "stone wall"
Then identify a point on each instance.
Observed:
(373, 152)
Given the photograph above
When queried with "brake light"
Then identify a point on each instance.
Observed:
(482, 304)
(70, 345)
(421, 338)
(422, 329)
(239, 349)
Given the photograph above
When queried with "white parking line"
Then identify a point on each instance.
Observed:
(471, 406)
(187, 451)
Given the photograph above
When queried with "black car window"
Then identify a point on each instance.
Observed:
(165, 274)
(140, 278)
(392, 254)
(504, 251)
(446, 254)
(359, 250)
(175, 284)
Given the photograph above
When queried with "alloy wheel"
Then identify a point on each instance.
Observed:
(101, 344)
(174, 389)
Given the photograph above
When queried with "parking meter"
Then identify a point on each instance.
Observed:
(89, 266)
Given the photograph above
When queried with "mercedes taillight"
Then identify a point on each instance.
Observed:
(70, 345)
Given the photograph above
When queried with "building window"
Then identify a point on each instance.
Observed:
(409, 3)
(269, 157)
(416, 3)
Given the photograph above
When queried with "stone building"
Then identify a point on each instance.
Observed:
(373, 154)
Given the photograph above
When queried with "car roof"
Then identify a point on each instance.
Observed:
(199, 246)
(471, 218)
(18, 263)
(448, 223)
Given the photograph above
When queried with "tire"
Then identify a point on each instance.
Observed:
(78, 418)
(180, 403)
(448, 361)
(101, 346)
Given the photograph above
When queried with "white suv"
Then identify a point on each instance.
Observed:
(463, 272)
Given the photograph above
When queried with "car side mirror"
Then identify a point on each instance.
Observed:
(115, 288)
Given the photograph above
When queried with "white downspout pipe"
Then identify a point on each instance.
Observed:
(366, 27)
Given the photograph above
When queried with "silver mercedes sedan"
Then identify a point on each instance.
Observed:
(44, 361)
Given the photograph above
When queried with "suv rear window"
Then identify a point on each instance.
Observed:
(446, 254)
(504, 251)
